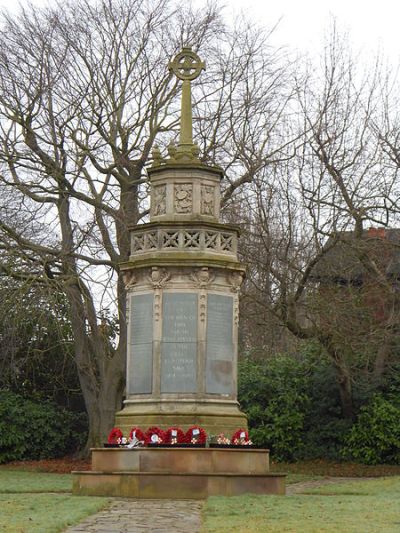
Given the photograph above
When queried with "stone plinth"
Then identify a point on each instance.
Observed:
(178, 473)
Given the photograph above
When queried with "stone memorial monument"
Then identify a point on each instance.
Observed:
(182, 281)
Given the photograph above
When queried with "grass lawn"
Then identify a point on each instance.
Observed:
(33, 502)
(366, 507)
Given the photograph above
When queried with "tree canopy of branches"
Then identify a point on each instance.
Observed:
(84, 93)
(313, 212)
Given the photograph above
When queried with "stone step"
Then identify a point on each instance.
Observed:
(172, 485)
(181, 460)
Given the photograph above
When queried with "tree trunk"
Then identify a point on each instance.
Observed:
(345, 390)
(343, 377)
(101, 409)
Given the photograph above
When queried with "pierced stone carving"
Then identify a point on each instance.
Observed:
(138, 242)
(145, 241)
(183, 197)
(207, 200)
(211, 239)
(191, 239)
(181, 239)
(226, 241)
(159, 199)
(170, 239)
(151, 241)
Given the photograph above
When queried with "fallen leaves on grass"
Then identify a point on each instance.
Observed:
(321, 467)
(63, 465)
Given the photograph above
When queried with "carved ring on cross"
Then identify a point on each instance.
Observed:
(187, 65)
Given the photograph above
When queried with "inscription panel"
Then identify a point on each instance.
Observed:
(140, 367)
(220, 349)
(179, 343)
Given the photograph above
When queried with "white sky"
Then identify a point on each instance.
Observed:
(370, 23)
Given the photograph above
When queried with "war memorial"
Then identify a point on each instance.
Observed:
(182, 279)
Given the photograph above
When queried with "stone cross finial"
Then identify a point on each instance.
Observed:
(186, 66)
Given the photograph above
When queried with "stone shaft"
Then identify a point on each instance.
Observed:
(186, 135)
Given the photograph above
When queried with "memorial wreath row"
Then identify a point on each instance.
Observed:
(175, 436)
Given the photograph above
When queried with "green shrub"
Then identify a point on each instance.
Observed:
(30, 430)
(375, 437)
(293, 405)
(273, 394)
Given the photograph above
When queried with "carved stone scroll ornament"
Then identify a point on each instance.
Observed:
(207, 200)
(129, 280)
(183, 197)
(235, 280)
(203, 277)
(158, 277)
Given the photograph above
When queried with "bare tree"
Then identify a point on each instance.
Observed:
(84, 93)
(316, 268)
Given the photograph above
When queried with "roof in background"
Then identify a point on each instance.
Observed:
(342, 260)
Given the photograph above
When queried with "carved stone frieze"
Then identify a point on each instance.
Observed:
(183, 197)
(207, 206)
(182, 239)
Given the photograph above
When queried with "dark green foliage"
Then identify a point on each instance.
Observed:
(293, 405)
(294, 409)
(274, 395)
(30, 430)
(36, 344)
(375, 437)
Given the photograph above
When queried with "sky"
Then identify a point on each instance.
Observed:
(302, 24)
(371, 24)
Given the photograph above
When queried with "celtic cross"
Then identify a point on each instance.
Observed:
(186, 66)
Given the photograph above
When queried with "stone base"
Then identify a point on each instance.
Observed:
(178, 473)
(215, 417)
(175, 486)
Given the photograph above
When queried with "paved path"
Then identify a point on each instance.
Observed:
(137, 516)
(180, 516)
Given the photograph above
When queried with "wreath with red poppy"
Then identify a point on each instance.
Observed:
(195, 438)
(177, 438)
(115, 436)
(154, 431)
(138, 434)
(237, 439)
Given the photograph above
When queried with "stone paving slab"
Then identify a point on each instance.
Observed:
(137, 516)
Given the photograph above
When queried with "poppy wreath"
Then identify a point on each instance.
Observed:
(115, 436)
(195, 435)
(241, 436)
(154, 431)
(138, 434)
(174, 435)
